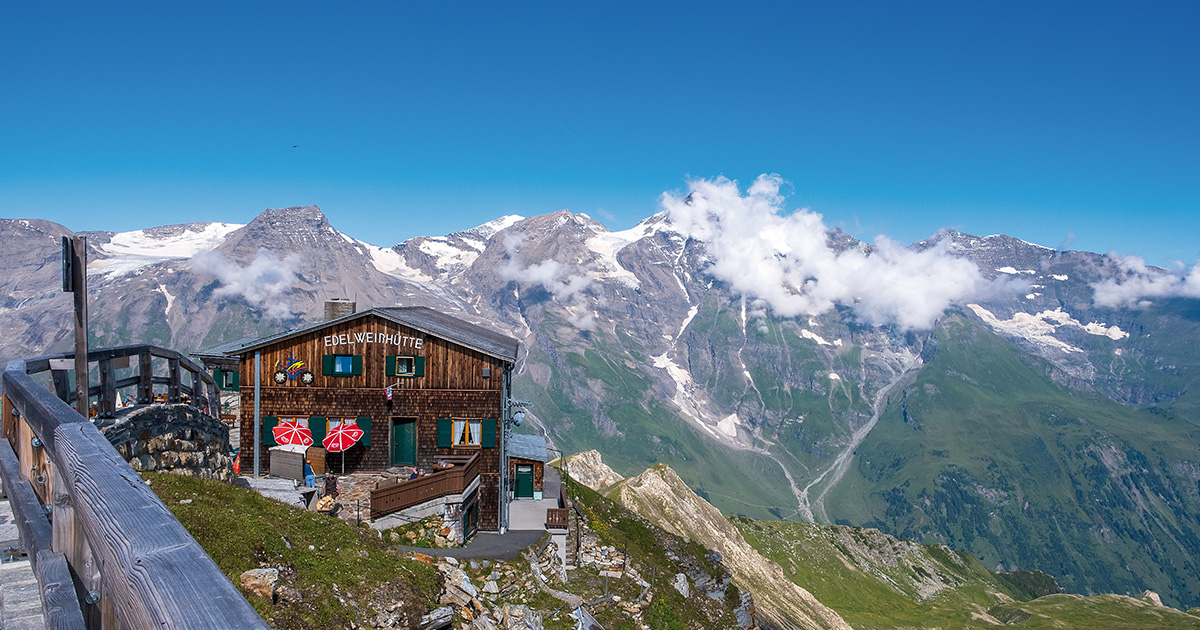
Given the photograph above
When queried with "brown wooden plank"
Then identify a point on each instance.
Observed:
(60, 606)
(27, 510)
(157, 575)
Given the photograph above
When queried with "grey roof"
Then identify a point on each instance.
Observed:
(224, 350)
(421, 318)
(528, 447)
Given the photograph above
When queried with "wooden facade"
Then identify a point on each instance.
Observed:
(449, 374)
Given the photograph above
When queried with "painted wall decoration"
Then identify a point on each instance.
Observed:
(290, 368)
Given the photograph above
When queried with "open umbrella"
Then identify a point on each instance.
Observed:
(342, 437)
(292, 432)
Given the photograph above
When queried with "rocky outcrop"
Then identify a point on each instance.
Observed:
(661, 497)
(587, 469)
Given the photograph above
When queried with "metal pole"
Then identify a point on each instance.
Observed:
(257, 407)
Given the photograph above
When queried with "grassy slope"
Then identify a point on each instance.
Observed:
(876, 595)
(984, 453)
(346, 576)
(882, 595)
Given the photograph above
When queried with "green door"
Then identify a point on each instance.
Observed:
(524, 482)
(404, 442)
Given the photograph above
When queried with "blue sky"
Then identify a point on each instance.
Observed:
(1053, 122)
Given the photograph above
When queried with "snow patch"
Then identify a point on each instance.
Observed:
(833, 376)
(1040, 327)
(170, 300)
(606, 246)
(448, 255)
(1014, 271)
(729, 424)
(808, 334)
(129, 251)
(1062, 278)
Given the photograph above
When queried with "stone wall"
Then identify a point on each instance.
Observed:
(171, 438)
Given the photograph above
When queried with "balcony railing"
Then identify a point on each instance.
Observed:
(405, 494)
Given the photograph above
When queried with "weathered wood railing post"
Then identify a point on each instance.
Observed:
(145, 377)
(108, 389)
(173, 374)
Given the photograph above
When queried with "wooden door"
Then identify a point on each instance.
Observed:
(404, 442)
(524, 481)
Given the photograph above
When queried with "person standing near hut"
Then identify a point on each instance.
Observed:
(331, 485)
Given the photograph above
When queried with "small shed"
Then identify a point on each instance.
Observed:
(527, 457)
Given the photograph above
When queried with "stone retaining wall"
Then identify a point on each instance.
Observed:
(172, 438)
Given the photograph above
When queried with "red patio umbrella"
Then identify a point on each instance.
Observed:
(292, 432)
(342, 437)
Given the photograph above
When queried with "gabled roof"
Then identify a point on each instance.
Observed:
(528, 447)
(420, 318)
(227, 350)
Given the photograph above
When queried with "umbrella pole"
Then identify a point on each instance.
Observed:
(343, 461)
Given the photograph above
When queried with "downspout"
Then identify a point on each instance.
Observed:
(257, 407)
(506, 434)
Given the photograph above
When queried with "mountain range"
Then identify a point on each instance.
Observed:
(1033, 407)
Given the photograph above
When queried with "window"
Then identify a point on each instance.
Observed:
(466, 432)
(405, 366)
(362, 422)
(342, 364)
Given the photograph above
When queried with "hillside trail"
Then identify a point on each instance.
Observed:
(836, 470)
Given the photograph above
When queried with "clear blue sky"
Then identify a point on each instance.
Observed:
(1040, 120)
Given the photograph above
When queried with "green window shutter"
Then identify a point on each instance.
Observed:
(391, 364)
(219, 378)
(364, 423)
(444, 427)
(488, 430)
(268, 436)
(356, 362)
(237, 381)
(327, 364)
(316, 426)
(418, 366)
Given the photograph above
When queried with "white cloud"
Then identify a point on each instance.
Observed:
(565, 283)
(1135, 282)
(261, 284)
(783, 259)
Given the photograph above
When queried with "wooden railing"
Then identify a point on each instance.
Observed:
(556, 518)
(173, 378)
(406, 494)
(106, 552)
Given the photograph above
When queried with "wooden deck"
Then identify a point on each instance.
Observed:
(405, 494)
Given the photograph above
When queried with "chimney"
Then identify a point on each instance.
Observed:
(339, 307)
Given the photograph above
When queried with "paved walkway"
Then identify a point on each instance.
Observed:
(487, 546)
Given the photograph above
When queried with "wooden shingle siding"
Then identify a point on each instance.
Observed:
(452, 386)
